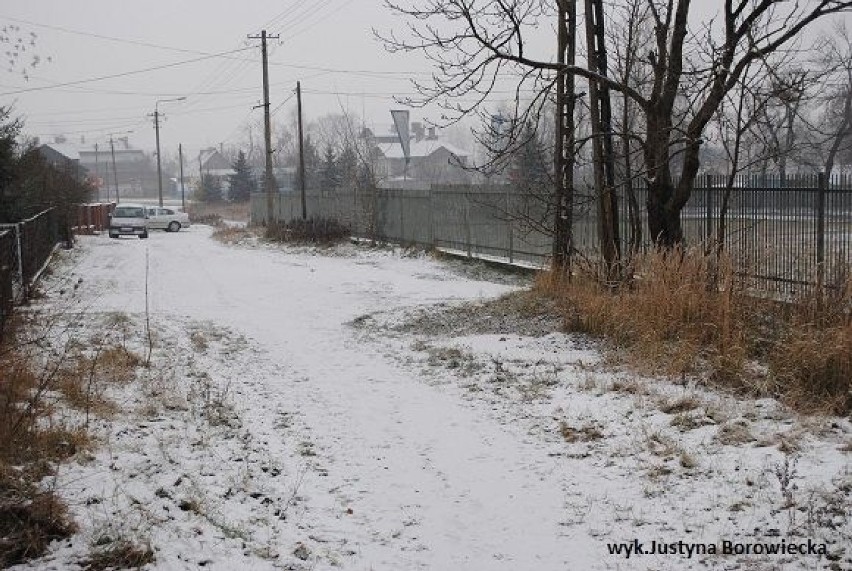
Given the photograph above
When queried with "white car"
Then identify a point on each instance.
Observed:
(167, 219)
(128, 220)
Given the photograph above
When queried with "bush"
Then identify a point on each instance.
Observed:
(322, 231)
(685, 312)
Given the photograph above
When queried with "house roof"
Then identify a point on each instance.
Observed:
(422, 148)
(68, 150)
(212, 159)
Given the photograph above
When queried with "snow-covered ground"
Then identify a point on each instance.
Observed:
(319, 410)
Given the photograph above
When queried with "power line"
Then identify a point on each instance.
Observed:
(103, 37)
(117, 75)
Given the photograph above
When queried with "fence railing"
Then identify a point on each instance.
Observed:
(784, 235)
(25, 248)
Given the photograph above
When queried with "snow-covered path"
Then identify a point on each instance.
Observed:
(407, 475)
(298, 415)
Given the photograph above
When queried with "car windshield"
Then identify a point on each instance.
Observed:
(129, 212)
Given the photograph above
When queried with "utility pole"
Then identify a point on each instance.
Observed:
(601, 120)
(114, 172)
(182, 194)
(301, 151)
(98, 174)
(159, 168)
(267, 125)
(200, 176)
(157, 130)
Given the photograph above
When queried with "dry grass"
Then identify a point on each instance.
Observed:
(684, 313)
(586, 433)
(231, 234)
(29, 519)
(121, 554)
(213, 214)
(38, 390)
(315, 231)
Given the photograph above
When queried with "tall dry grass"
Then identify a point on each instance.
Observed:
(686, 313)
(39, 386)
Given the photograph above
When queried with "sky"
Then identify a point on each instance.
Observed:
(104, 66)
(328, 45)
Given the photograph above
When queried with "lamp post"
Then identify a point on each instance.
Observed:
(114, 171)
(157, 131)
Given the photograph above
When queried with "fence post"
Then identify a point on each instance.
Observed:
(402, 218)
(708, 205)
(467, 224)
(510, 228)
(19, 239)
(820, 231)
(431, 218)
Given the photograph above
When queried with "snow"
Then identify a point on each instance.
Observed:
(288, 423)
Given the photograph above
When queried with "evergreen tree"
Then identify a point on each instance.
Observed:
(530, 170)
(347, 167)
(313, 164)
(209, 188)
(242, 182)
(329, 173)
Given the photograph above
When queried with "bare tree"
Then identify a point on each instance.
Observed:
(473, 44)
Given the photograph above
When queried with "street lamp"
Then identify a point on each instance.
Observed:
(157, 130)
(114, 171)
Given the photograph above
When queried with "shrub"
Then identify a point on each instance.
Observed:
(686, 312)
(322, 231)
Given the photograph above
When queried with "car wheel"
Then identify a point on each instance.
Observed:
(114, 236)
(173, 226)
(143, 236)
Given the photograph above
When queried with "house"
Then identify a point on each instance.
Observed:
(211, 161)
(107, 166)
(64, 156)
(431, 160)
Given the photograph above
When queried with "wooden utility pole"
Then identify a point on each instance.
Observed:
(182, 193)
(98, 175)
(114, 172)
(267, 127)
(564, 148)
(601, 119)
(301, 151)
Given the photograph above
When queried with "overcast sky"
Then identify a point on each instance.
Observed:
(327, 44)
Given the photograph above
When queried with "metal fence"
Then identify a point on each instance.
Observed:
(785, 234)
(8, 266)
(25, 248)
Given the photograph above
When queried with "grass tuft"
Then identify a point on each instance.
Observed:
(687, 313)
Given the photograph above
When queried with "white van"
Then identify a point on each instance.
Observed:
(128, 220)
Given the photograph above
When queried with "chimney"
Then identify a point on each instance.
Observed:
(418, 130)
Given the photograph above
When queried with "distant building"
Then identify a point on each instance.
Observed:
(211, 161)
(431, 160)
(64, 157)
(135, 172)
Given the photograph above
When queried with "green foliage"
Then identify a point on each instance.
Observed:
(28, 182)
(312, 166)
(329, 172)
(9, 131)
(209, 188)
(242, 182)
